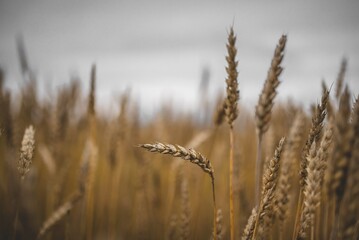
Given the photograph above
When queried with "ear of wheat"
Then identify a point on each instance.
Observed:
(181, 152)
(289, 156)
(270, 178)
(26, 151)
(265, 102)
(265, 105)
(194, 157)
(249, 229)
(311, 192)
(350, 206)
(314, 134)
(185, 215)
(230, 106)
(342, 149)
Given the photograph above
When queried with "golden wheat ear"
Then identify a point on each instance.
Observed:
(289, 158)
(231, 102)
(264, 106)
(178, 151)
(314, 134)
(311, 193)
(270, 179)
(192, 156)
(26, 151)
(269, 91)
(249, 229)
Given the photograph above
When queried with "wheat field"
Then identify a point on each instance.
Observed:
(279, 171)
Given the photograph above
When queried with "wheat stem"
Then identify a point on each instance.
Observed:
(231, 197)
(259, 171)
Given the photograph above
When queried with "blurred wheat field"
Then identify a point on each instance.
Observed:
(280, 171)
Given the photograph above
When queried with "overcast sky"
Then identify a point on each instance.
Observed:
(160, 48)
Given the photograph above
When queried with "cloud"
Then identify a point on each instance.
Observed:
(164, 44)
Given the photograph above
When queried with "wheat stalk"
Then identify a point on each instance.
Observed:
(194, 157)
(342, 148)
(93, 155)
(271, 174)
(231, 101)
(220, 229)
(26, 151)
(350, 208)
(270, 179)
(323, 151)
(311, 192)
(185, 215)
(65, 208)
(219, 223)
(314, 134)
(343, 137)
(289, 156)
(60, 213)
(178, 151)
(24, 162)
(265, 101)
(231, 112)
(265, 105)
(324, 154)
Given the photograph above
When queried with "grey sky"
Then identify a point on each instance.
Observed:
(159, 48)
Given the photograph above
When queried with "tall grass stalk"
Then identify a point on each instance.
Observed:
(231, 113)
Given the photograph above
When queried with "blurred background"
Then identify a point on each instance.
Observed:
(162, 50)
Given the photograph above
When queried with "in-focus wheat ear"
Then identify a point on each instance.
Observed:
(181, 152)
(26, 151)
(311, 192)
(314, 134)
(231, 102)
(270, 179)
(265, 105)
(194, 157)
(269, 91)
